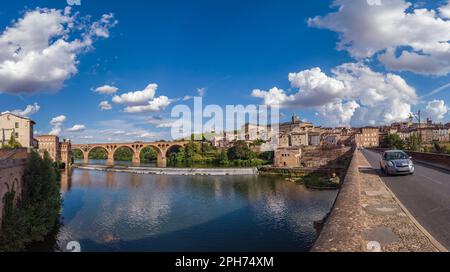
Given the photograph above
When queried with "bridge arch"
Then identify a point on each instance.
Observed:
(92, 148)
(83, 153)
(122, 147)
(149, 147)
(161, 158)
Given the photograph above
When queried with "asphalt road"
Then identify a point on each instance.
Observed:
(426, 195)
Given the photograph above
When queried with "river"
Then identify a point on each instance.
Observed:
(109, 211)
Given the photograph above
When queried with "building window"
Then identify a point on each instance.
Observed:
(17, 124)
(16, 135)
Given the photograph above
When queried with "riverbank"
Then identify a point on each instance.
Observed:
(173, 171)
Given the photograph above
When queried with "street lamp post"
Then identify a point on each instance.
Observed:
(418, 117)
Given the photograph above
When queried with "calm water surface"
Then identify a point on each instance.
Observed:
(134, 212)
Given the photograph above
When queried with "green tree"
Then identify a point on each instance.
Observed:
(148, 155)
(393, 141)
(12, 143)
(77, 154)
(268, 156)
(123, 154)
(413, 143)
(240, 151)
(37, 212)
(98, 154)
(222, 158)
(437, 147)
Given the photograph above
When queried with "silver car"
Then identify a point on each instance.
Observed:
(396, 162)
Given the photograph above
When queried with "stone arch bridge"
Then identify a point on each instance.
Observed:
(161, 149)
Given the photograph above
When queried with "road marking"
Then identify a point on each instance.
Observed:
(430, 179)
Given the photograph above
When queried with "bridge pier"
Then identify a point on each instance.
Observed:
(136, 158)
(110, 160)
(85, 157)
(162, 161)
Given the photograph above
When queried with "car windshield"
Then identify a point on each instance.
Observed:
(396, 156)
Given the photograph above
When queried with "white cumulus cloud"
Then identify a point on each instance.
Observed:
(143, 101)
(104, 106)
(445, 10)
(157, 104)
(137, 97)
(106, 89)
(338, 113)
(39, 52)
(404, 38)
(436, 110)
(28, 111)
(353, 94)
(77, 128)
(56, 124)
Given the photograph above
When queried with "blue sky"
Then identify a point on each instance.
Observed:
(228, 48)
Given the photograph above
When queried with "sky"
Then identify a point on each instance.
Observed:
(113, 71)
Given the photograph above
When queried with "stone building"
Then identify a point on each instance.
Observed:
(20, 127)
(368, 137)
(66, 152)
(288, 157)
(58, 151)
(49, 144)
(441, 134)
(331, 139)
(298, 133)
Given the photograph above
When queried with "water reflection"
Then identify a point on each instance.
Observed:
(109, 211)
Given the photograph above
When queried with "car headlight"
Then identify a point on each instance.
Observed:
(411, 164)
(390, 164)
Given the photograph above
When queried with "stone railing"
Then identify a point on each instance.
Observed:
(343, 225)
(7, 159)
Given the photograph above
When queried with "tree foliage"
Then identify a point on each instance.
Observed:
(205, 154)
(12, 143)
(240, 151)
(148, 154)
(393, 141)
(37, 211)
(123, 154)
(414, 142)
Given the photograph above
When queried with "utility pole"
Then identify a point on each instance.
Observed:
(419, 118)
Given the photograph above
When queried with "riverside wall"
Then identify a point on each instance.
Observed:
(12, 165)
